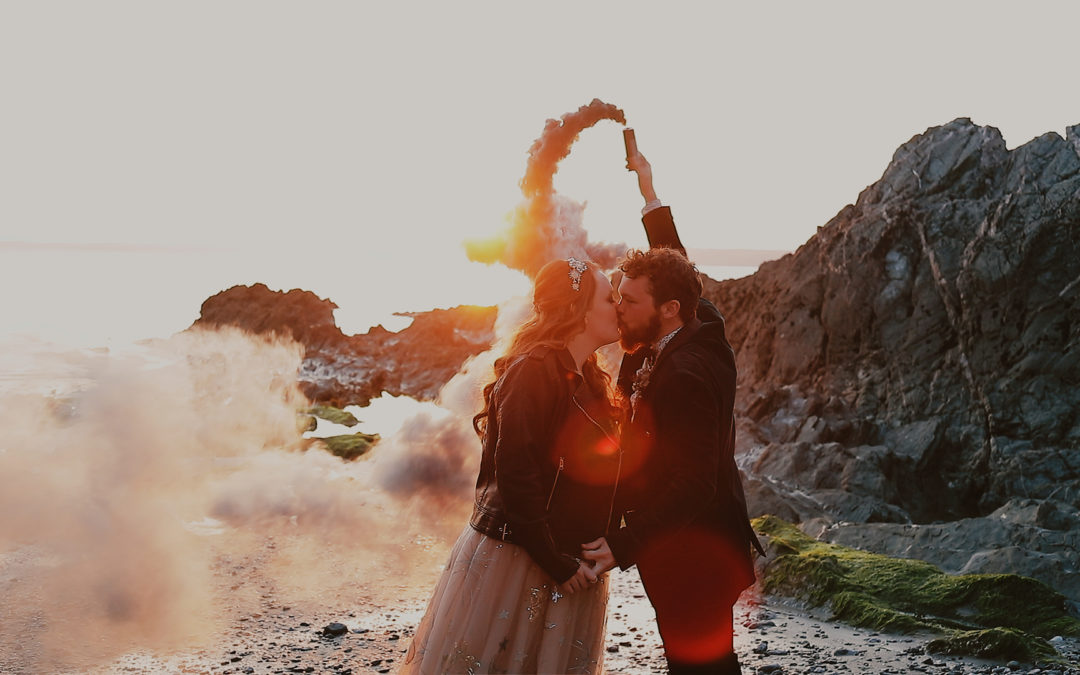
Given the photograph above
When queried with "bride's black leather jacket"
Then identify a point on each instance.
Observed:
(550, 462)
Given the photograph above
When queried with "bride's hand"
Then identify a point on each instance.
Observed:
(599, 554)
(580, 581)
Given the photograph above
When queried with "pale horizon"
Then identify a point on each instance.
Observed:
(338, 146)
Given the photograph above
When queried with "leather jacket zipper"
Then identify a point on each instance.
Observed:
(618, 470)
(556, 483)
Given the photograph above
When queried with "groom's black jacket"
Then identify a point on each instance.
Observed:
(679, 468)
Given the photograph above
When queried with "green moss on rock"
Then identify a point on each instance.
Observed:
(993, 643)
(332, 414)
(349, 446)
(895, 594)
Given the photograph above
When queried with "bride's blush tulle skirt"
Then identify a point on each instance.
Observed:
(495, 611)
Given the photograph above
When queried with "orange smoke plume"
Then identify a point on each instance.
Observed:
(547, 226)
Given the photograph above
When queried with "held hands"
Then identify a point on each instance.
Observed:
(598, 560)
(580, 581)
(599, 553)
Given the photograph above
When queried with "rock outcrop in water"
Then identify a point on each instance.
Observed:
(918, 360)
(341, 370)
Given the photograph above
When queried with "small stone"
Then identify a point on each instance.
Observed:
(613, 649)
(1013, 665)
(761, 648)
(335, 629)
(770, 668)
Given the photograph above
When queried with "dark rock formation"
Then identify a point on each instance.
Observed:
(341, 370)
(918, 359)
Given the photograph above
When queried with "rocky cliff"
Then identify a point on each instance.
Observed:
(342, 370)
(918, 360)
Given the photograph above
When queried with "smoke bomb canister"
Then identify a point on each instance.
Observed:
(630, 142)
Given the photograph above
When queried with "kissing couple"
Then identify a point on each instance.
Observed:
(578, 476)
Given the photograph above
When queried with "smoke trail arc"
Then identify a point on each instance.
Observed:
(546, 225)
(431, 464)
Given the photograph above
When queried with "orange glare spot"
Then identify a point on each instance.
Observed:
(607, 447)
(698, 631)
(487, 251)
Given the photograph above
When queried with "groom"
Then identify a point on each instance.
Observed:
(684, 523)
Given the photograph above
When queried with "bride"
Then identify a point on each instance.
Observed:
(515, 597)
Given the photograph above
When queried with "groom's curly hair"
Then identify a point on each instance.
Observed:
(671, 277)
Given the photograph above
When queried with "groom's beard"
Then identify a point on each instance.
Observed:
(632, 339)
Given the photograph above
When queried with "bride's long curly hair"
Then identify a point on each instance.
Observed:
(558, 315)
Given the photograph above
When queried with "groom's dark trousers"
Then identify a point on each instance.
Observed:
(693, 613)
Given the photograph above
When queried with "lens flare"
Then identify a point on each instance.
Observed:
(693, 563)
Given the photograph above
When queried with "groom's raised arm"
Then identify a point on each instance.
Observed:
(657, 219)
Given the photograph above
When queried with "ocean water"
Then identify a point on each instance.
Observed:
(722, 272)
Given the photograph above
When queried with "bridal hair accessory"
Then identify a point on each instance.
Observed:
(577, 268)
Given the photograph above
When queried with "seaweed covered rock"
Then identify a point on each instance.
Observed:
(1040, 537)
(992, 643)
(334, 415)
(348, 446)
(902, 595)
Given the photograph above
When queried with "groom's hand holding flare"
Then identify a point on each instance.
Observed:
(599, 554)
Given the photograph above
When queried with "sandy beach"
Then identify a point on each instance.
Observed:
(772, 636)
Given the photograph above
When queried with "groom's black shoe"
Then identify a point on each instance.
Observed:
(729, 665)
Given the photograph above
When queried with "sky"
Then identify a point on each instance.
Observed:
(156, 153)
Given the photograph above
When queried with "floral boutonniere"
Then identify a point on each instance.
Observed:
(641, 381)
(641, 377)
